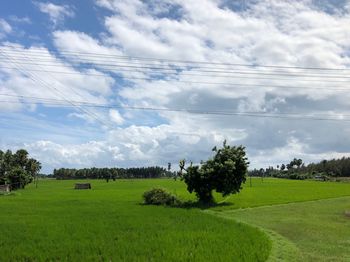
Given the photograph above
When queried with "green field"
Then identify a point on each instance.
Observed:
(317, 230)
(273, 219)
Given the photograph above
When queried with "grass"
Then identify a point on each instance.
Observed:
(282, 249)
(319, 229)
(107, 223)
(280, 191)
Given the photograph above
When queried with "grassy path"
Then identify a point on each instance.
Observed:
(313, 231)
(282, 249)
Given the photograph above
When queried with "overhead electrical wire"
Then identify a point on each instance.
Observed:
(159, 72)
(173, 68)
(175, 60)
(80, 105)
(237, 85)
(191, 71)
(233, 74)
(298, 116)
(43, 83)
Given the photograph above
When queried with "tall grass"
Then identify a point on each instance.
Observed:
(54, 222)
(107, 223)
(320, 230)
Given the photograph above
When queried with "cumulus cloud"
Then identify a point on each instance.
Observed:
(57, 13)
(31, 82)
(5, 28)
(21, 20)
(292, 34)
(116, 117)
(131, 146)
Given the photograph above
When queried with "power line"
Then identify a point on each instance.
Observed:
(96, 117)
(199, 73)
(196, 111)
(235, 85)
(177, 60)
(41, 82)
(299, 116)
(167, 67)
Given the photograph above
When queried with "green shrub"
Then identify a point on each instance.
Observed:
(159, 196)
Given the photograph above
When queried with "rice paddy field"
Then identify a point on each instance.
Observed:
(274, 220)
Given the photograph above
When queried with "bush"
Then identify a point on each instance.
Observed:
(294, 176)
(160, 196)
(297, 176)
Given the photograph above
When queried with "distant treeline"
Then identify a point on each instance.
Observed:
(111, 173)
(296, 169)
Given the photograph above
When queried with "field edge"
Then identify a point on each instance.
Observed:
(281, 248)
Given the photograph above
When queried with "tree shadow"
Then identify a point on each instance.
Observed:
(201, 205)
(192, 205)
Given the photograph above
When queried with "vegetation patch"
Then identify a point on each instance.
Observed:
(334, 169)
(55, 223)
(316, 228)
(224, 172)
(17, 170)
(281, 248)
(160, 196)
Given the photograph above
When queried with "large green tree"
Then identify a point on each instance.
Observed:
(224, 172)
(18, 169)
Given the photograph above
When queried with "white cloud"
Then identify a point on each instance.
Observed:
(22, 20)
(293, 149)
(31, 78)
(116, 117)
(5, 28)
(57, 13)
(55, 154)
(288, 33)
(131, 146)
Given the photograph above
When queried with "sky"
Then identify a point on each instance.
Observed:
(138, 83)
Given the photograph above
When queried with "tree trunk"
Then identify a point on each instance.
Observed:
(206, 197)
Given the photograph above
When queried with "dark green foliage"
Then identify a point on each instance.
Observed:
(224, 173)
(160, 196)
(295, 163)
(18, 178)
(333, 167)
(297, 176)
(17, 169)
(296, 169)
(110, 173)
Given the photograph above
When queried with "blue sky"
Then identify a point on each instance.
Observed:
(55, 54)
(87, 18)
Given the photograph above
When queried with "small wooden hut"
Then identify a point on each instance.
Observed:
(82, 186)
(5, 188)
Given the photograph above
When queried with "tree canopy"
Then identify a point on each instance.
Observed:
(224, 172)
(296, 169)
(111, 173)
(17, 169)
